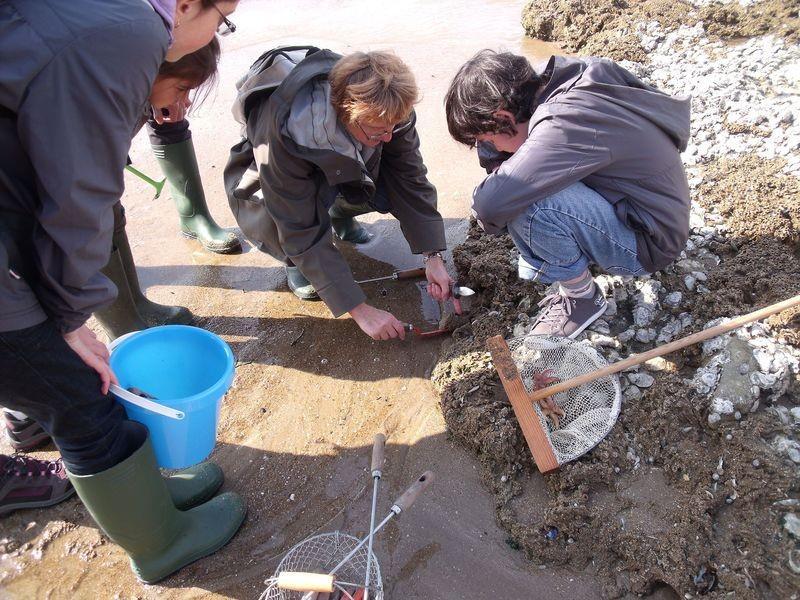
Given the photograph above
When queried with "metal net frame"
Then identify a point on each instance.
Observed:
(590, 410)
(320, 554)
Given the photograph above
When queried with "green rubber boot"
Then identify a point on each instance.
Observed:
(152, 313)
(121, 316)
(299, 285)
(179, 164)
(132, 505)
(195, 485)
(343, 222)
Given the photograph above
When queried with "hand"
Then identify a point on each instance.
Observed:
(92, 352)
(175, 112)
(376, 323)
(440, 282)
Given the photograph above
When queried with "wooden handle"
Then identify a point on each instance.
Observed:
(410, 273)
(377, 453)
(683, 342)
(410, 496)
(305, 582)
(535, 435)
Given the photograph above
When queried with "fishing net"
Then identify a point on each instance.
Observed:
(590, 410)
(320, 554)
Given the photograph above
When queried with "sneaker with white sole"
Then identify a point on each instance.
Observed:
(564, 316)
(27, 482)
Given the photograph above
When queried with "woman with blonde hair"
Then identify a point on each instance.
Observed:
(334, 138)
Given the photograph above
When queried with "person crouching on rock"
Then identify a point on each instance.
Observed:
(584, 170)
(336, 139)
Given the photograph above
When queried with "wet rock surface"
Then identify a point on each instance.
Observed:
(696, 489)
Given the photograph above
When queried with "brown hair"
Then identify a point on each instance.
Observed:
(372, 85)
(199, 68)
(488, 82)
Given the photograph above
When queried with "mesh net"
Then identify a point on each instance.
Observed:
(590, 410)
(320, 554)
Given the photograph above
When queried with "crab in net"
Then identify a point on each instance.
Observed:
(577, 418)
(548, 405)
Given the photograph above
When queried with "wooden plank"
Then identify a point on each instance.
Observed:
(535, 435)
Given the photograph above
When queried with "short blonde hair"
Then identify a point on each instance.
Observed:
(372, 85)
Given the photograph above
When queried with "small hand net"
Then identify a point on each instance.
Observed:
(320, 554)
(590, 410)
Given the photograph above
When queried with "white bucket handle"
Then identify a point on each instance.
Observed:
(141, 401)
(146, 403)
(119, 340)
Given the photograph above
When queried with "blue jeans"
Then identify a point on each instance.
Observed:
(561, 235)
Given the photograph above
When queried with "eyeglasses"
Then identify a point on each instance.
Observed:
(226, 27)
(376, 136)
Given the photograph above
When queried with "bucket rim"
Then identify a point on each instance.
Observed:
(227, 375)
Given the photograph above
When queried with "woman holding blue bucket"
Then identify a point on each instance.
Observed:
(74, 79)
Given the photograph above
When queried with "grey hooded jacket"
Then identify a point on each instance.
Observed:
(596, 122)
(293, 161)
(74, 80)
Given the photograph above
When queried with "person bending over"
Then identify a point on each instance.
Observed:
(68, 110)
(585, 170)
(335, 139)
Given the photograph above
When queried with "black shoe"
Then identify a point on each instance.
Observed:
(24, 434)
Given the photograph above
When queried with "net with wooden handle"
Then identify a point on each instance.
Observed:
(410, 496)
(305, 582)
(684, 342)
(378, 446)
(535, 435)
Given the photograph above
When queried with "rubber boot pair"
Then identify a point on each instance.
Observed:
(344, 224)
(134, 506)
(179, 164)
(132, 311)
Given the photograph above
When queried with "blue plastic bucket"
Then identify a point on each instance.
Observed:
(187, 370)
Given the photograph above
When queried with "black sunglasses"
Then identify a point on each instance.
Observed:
(226, 27)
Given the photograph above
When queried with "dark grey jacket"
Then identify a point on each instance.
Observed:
(596, 122)
(75, 76)
(280, 189)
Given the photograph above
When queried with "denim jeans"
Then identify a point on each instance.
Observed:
(561, 235)
(42, 377)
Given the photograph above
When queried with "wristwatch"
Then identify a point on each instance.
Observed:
(428, 255)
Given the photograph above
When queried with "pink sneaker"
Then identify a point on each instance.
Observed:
(30, 483)
(564, 316)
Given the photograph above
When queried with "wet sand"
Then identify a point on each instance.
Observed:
(311, 391)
